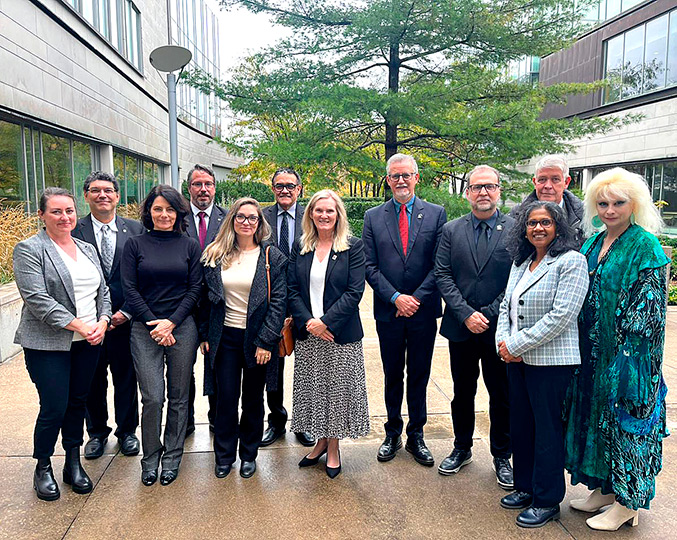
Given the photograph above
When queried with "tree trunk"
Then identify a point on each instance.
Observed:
(393, 88)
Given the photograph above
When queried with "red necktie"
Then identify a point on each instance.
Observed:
(202, 232)
(404, 228)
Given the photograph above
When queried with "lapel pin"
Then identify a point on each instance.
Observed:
(499, 227)
(333, 257)
(124, 230)
(420, 216)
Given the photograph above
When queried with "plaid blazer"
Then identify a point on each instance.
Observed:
(548, 311)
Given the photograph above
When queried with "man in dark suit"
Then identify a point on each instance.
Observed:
(472, 269)
(400, 239)
(284, 218)
(203, 224)
(108, 233)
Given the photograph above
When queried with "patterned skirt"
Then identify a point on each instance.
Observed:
(330, 391)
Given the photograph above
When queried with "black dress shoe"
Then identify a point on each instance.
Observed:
(190, 429)
(516, 500)
(454, 461)
(504, 475)
(94, 447)
(168, 476)
(305, 438)
(44, 484)
(247, 469)
(211, 427)
(271, 435)
(129, 445)
(389, 448)
(534, 517)
(74, 474)
(148, 478)
(221, 471)
(309, 462)
(417, 448)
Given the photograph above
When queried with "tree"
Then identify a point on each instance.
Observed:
(359, 81)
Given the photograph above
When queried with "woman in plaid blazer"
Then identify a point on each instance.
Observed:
(537, 335)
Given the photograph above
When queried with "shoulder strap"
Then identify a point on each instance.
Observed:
(268, 270)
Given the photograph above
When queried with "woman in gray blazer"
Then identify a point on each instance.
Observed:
(64, 319)
(537, 335)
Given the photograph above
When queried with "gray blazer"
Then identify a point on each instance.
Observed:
(47, 291)
(547, 312)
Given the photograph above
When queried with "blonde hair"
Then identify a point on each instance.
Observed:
(622, 184)
(309, 237)
(224, 249)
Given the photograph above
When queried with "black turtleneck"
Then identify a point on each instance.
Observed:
(161, 276)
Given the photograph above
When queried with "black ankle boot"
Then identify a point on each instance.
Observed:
(74, 474)
(44, 484)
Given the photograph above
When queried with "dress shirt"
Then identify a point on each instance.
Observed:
(409, 207)
(290, 222)
(491, 222)
(98, 234)
(196, 219)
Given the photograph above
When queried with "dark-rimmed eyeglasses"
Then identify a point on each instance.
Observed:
(205, 185)
(241, 218)
(281, 187)
(403, 176)
(545, 223)
(107, 191)
(476, 188)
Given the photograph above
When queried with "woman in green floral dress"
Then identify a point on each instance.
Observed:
(616, 405)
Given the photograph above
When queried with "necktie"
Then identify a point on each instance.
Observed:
(483, 243)
(107, 253)
(202, 231)
(404, 228)
(283, 244)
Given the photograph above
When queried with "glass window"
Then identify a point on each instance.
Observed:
(87, 9)
(614, 69)
(56, 157)
(119, 173)
(633, 61)
(655, 53)
(669, 194)
(148, 177)
(103, 18)
(31, 170)
(82, 166)
(115, 24)
(672, 49)
(132, 179)
(133, 17)
(12, 183)
(613, 8)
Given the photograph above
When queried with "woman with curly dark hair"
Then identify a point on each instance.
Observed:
(162, 277)
(537, 335)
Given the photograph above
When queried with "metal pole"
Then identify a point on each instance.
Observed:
(173, 139)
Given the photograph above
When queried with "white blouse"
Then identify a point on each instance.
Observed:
(237, 283)
(318, 271)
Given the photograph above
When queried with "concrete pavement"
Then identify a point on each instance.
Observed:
(395, 500)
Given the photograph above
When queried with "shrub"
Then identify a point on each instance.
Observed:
(15, 226)
(672, 295)
(228, 191)
(455, 205)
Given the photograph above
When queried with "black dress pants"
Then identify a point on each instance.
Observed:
(233, 376)
(464, 361)
(116, 354)
(277, 418)
(537, 396)
(406, 342)
(62, 379)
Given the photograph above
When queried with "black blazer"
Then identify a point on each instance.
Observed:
(270, 215)
(84, 230)
(264, 319)
(389, 271)
(466, 287)
(215, 222)
(343, 289)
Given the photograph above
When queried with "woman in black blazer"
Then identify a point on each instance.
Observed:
(240, 323)
(326, 282)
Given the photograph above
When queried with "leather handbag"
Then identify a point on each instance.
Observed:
(286, 346)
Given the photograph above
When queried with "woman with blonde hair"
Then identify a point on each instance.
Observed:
(616, 405)
(241, 317)
(326, 283)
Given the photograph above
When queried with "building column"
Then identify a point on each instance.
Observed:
(586, 177)
(106, 157)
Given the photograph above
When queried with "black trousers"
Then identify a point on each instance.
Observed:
(405, 342)
(116, 354)
(277, 418)
(233, 376)
(536, 398)
(464, 361)
(62, 379)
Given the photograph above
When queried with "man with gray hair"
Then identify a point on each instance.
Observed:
(550, 184)
(400, 240)
(472, 269)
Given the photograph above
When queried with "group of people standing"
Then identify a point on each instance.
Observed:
(569, 342)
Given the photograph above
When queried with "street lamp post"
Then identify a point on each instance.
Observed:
(168, 59)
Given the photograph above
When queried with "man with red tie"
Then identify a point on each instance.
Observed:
(203, 224)
(400, 241)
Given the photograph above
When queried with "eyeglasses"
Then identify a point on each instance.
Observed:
(205, 185)
(241, 218)
(476, 188)
(281, 187)
(96, 191)
(545, 223)
(554, 180)
(403, 176)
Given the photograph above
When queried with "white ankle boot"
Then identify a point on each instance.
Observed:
(594, 501)
(612, 518)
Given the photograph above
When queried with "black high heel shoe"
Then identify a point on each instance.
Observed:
(309, 462)
(333, 472)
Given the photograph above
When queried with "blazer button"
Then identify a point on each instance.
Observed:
(521, 302)
(520, 317)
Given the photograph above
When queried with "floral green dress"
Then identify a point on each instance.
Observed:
(615, 410)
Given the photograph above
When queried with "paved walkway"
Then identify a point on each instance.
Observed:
(369, 500)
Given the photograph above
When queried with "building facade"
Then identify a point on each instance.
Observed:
(635, 49)
(78, 93)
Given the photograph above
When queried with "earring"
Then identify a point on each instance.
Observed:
(597, 222)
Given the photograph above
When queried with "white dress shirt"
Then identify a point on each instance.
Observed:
(196, 218)
(98, 233)
(318, 272)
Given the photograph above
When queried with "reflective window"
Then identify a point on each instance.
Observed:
(669, 194)
(56, 158)
(672, 50)
(614, 68)
(655, 53)
(12, 184)
(136, 175)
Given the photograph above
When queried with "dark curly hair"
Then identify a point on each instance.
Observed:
(174, 198)
(566, 239)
